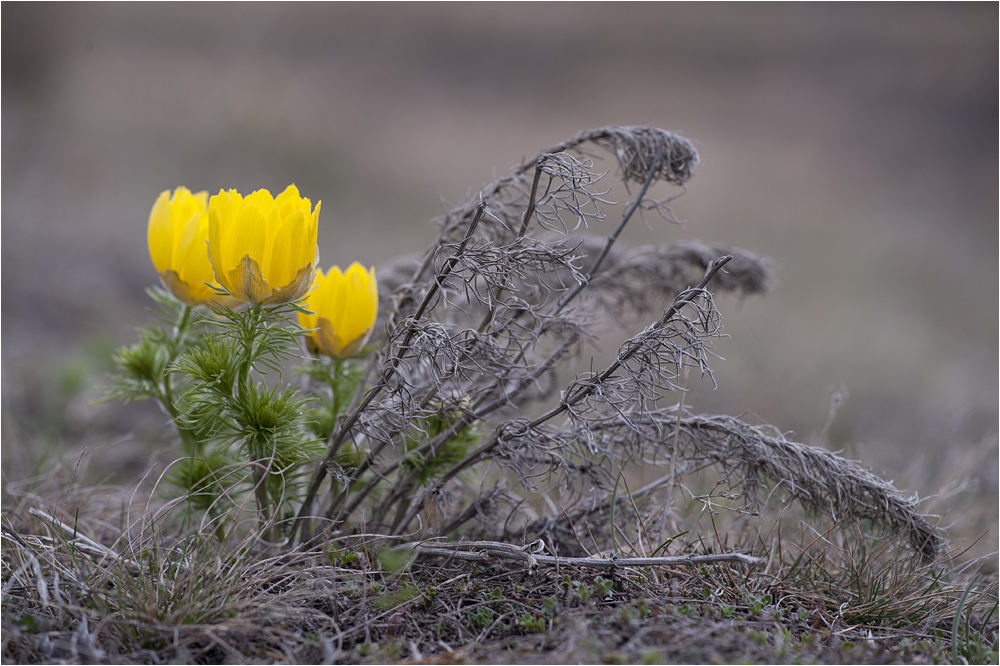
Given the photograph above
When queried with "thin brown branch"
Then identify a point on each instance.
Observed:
(486, 551)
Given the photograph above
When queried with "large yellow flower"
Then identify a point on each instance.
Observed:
(263, 248)
(178, 245)
(344, 307)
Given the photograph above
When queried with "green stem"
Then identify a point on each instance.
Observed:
(166, 397)
(250, 330)
(263, 503)
(181, 328)
(251, 324)
(176, 341)
(336, 377)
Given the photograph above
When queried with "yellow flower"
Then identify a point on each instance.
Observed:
(345, 306)
(263, 248)
(178, 235)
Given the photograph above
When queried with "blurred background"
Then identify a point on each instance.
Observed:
(855, 145)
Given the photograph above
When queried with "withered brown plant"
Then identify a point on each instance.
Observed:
(467, 413)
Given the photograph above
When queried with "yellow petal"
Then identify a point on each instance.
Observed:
(158, 232)
(251, 237)
(274, 254)
(291, 248)
(308, 321)
(221, 227)
(192, 259)
(369, 299)
(231, 255)
(360, 305)
(289, 201)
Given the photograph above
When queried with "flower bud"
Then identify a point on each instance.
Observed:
(178, 246)
(344, 307)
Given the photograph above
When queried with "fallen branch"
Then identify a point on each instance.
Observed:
(481, 551)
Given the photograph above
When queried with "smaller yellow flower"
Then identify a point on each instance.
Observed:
(344, 307)
(178, 245)
(263, 248)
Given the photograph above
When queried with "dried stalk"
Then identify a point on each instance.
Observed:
(491, 551)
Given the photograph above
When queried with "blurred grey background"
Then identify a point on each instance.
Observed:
(856, 145)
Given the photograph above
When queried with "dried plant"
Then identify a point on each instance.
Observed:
(461, 415)
(757, 461)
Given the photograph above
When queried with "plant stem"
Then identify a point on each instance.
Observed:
(263, 503)
(166, 397)
(336, 377)
(251, 323)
